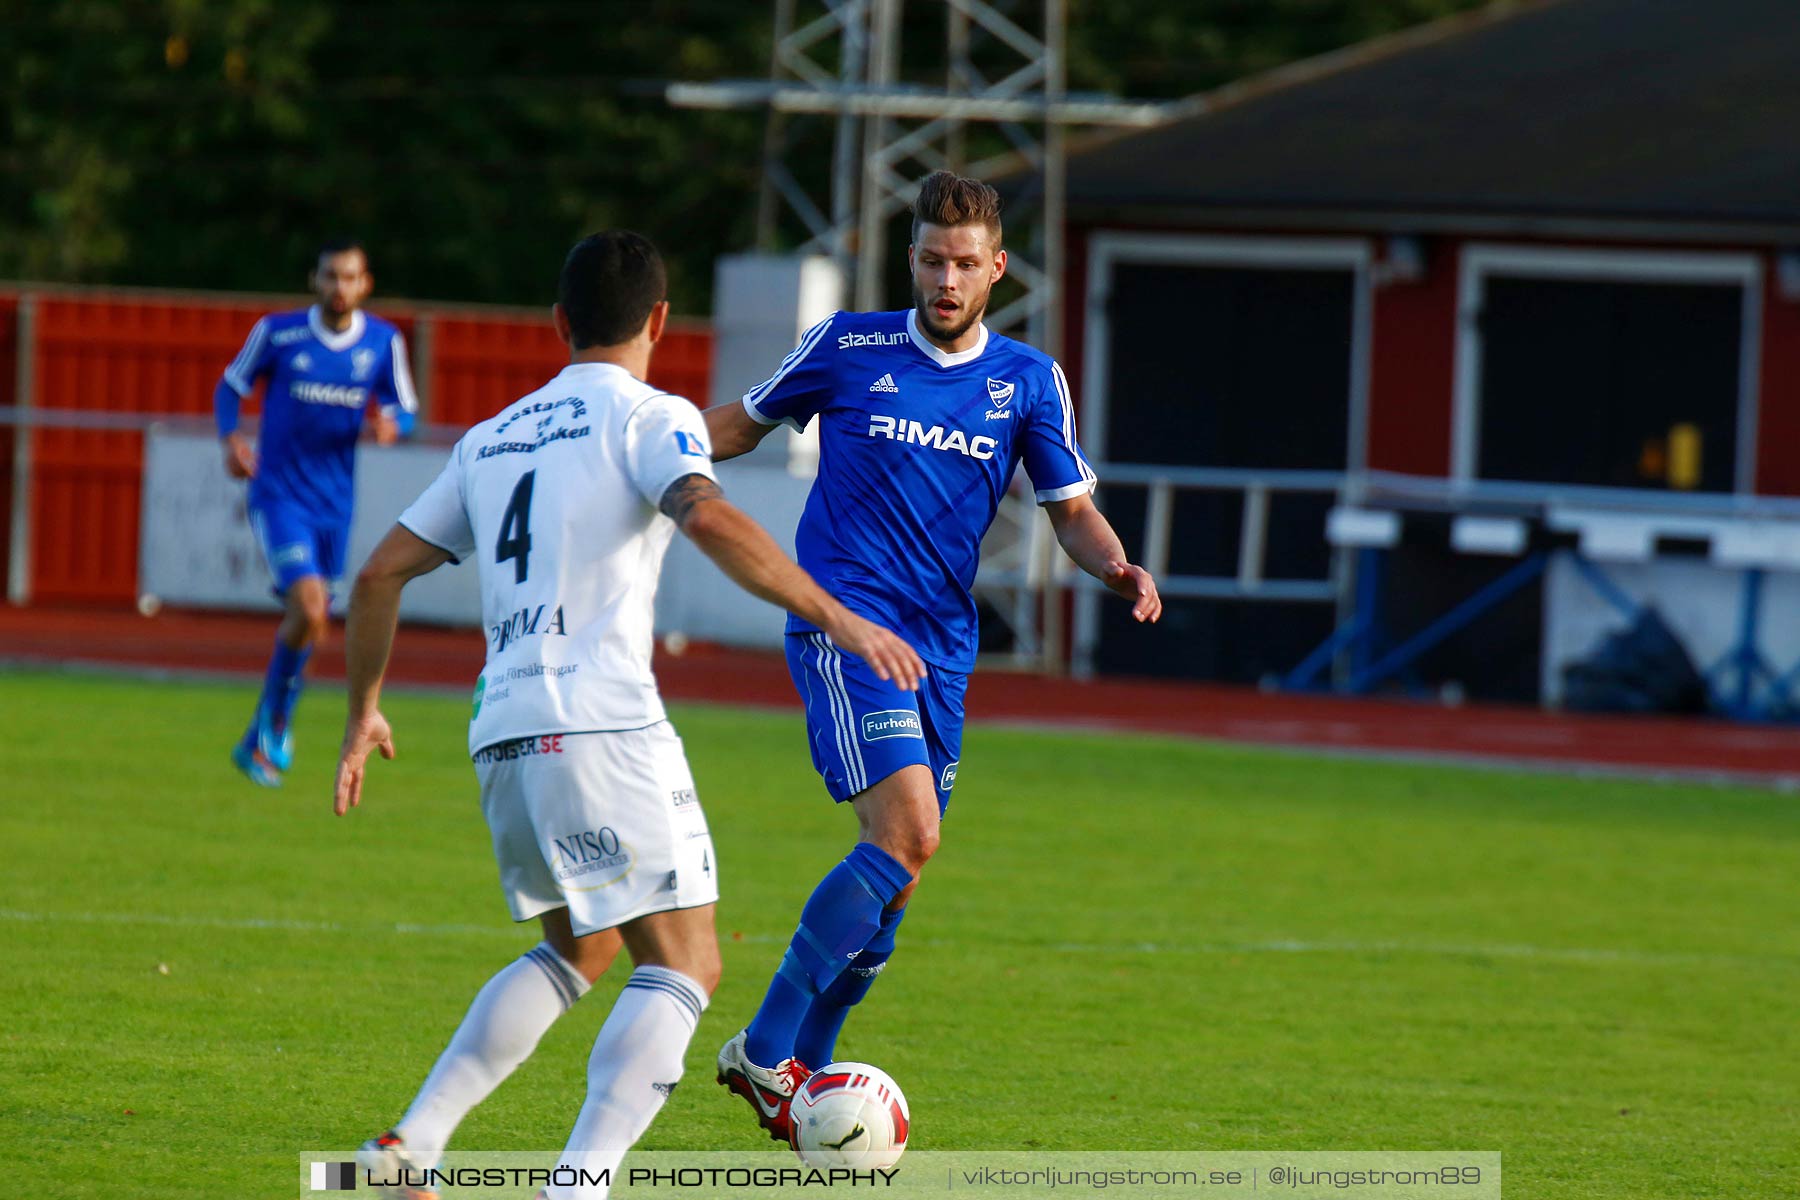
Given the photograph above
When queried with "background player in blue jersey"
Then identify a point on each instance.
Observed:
(923, 417)
(324, 365)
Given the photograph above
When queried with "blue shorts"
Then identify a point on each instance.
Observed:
(295, 544)
(861, 730)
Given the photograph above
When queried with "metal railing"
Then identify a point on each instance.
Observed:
(1027, 577)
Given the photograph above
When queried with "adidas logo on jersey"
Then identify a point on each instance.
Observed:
(885, 384)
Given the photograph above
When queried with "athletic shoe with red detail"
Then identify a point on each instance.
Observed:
(386, 1158)
(769, 1090)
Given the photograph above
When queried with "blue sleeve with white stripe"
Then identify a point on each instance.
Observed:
(240, 377)
(1052, 455)
(801, 388)
(394, 386)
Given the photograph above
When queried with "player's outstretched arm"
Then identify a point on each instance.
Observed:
(1088, 539)
(745, 552)
(733, 431)
(368, 640)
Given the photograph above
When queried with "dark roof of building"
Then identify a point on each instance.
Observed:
(1549, 114)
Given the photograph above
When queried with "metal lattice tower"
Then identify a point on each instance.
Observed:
(845, 62)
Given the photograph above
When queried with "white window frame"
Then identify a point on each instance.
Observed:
(1109, 248)
(1480, 260)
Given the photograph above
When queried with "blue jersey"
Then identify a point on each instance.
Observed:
(320, 386)
(916, 448)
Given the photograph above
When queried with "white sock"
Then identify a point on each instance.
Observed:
(503, 1026)
(636, 1063)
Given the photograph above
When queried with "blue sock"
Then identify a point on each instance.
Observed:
(816, 1044)
(840, 918)
(282, 683)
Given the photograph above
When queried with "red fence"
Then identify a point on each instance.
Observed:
(479, 365)
(95, 352)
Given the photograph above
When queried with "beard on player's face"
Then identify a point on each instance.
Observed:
(970, 309)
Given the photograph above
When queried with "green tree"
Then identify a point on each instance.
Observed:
(214, 143)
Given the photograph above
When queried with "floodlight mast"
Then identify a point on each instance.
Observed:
(1030, 104)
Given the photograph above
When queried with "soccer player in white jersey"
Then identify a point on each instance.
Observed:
(566, 500)
(923, 417)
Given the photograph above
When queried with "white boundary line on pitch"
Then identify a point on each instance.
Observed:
(1568, 954)
(1784, 782)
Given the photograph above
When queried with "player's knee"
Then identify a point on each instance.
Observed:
(912, 844)
(698, 961)
(311, 612)
(706, 969)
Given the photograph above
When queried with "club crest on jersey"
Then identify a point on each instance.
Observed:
(999, 395)
(362, 363)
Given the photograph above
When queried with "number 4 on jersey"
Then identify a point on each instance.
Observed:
(515, 529)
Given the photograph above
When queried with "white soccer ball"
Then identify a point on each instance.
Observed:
(852, 1115)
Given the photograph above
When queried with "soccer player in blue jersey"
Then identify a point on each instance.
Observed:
(923, 416)
(324, 366)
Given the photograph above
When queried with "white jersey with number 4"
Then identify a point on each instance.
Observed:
(555, 498)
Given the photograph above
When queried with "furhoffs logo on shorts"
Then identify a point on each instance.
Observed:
(891, 723)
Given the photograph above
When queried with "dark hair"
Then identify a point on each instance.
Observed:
(946, 198)
(609, 284)
(341, 245)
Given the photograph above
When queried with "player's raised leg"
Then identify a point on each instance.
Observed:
(856, 907)
(637, 1057)
(878, 813)
(940, 703)
(509, 1016)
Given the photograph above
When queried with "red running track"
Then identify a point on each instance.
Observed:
(238, 644)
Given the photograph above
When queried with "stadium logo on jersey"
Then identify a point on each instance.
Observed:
(850, 341)
(303, 361)
(362, 363)
(338, 395)
(933, 437)
(687, 443)
(891, 723)
(527, 622)
(885, 384)
(949, 779)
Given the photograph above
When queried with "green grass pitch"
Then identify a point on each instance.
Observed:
(1125, 943)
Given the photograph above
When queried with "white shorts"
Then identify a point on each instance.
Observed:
(605, 823)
